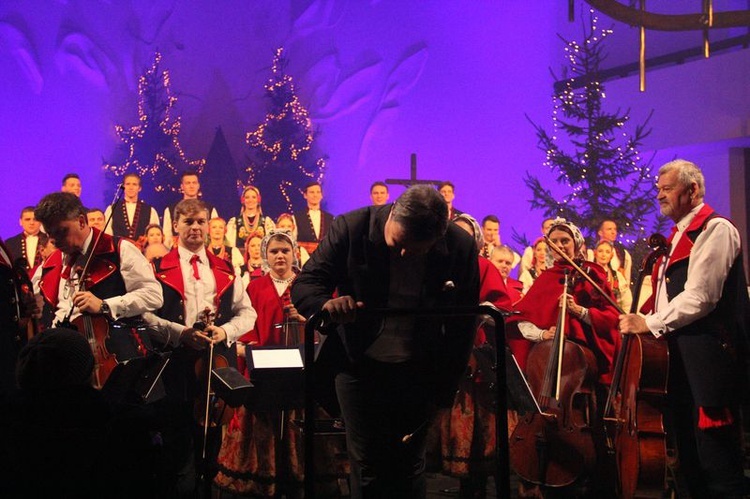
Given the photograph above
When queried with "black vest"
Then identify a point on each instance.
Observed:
(179, 375)
(713, 349)
(119, 223)
(111, 286)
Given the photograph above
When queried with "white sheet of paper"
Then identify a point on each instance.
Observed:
(278, 358)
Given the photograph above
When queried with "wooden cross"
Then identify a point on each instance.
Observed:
(412, 180)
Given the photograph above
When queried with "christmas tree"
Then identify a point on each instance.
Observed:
(153, 146)
(601, 174)
(282, 159)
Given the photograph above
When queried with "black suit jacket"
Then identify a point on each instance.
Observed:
(354, 259)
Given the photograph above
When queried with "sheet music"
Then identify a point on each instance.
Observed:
(277, 358)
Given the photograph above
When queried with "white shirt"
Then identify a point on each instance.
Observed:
(199, 294)
(32, 241)
(315, 219)
(711, 258)
(143, 291)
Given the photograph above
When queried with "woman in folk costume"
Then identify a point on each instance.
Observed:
(248, 462)
(251, 220)
(467, 430)
(538, 264)
(603, 254)
(217, 244)
(592, 321)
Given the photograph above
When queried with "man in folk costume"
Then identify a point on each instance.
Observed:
(16, 303)
(198, 286)
(700, 308)
(312, 223)
(191, 189)
(131, 215)
(118, 282)
(27, 246)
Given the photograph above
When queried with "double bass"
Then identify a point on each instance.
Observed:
(555, 446)
(635, 429)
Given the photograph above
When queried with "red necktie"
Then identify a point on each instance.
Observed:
(194, 262)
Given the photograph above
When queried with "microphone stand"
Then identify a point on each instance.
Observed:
(90, 254)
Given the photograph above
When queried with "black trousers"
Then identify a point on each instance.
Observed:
(381, 404)
(710, 460)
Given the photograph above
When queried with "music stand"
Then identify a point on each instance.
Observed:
(230, 386)
(137, 380)
(277, 378)
(520, 397)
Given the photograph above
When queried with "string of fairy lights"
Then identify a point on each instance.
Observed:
(155, 105)
(284, 136)
(286, 133)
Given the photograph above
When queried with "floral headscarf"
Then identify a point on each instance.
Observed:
(278, 234)
(574, 232)
(466, 218)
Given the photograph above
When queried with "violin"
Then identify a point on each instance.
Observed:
(555, 446)
(210, 410)
(95, 328)
(635, 429)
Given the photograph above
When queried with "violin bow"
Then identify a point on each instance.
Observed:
(583, 273)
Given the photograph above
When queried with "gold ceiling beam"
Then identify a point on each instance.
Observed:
(671, 22)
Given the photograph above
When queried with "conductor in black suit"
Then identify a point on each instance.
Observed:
(393, 372)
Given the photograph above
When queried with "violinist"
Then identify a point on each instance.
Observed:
(700, 309)
(119, 283)
(192, 280)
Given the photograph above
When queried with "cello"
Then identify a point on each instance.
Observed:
(555, 446)
(636, 432)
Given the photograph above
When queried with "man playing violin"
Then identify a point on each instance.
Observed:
(700, 307)
(118, 281)
(193, 280)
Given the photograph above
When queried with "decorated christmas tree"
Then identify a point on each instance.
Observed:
(595, 161)
(282, 159)
(152, 147)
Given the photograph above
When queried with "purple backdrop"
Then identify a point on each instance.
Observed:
(450, 81)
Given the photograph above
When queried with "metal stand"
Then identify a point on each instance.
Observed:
(502, 477)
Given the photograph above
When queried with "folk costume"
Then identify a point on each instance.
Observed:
(467, 430)
(191, 283)
(26, 249)
(312, 227)
(119, 274)
(253, 460)
(240, 228)
(700, 306)
(539, 309)
(130, 219)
